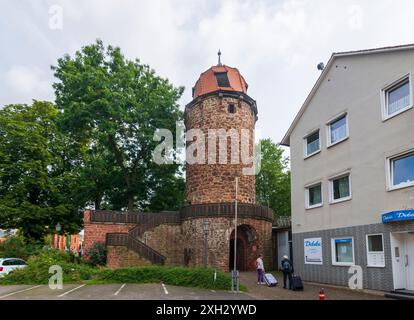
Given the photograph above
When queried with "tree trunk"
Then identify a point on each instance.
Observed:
(120, 161)
(130, 202)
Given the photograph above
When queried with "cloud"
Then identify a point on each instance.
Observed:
(27, 83)
(276, 44)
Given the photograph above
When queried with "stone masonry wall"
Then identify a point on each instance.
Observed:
(121, 257)
(184, 244)
(220, 230)
(167, 239)
(211, 182)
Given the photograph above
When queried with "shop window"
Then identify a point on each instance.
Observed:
(343, 251)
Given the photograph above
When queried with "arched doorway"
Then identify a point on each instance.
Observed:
(241, 255)
(246, 237)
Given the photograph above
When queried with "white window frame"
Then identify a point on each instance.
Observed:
(305, 144)
(333, 252)
(384, 99)
(328, 129)
(375, 252)
(390, 171)
(331, 190)
(307, 187)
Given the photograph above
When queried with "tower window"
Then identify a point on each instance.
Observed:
(222, 79)
(231, 108)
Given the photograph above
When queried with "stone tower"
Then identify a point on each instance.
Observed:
(222, 111)
(203, 230)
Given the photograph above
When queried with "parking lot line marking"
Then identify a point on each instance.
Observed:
(119, 290)
(165, 288)
(10, 294)
(67, 292)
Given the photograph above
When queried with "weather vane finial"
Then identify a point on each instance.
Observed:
(219, 57)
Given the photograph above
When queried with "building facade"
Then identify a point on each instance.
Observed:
(352, 162)
(202, 232)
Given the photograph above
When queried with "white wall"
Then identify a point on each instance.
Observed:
(356, 90)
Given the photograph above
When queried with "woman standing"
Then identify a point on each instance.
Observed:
(260, 269)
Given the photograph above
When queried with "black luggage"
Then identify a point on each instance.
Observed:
(297, 283)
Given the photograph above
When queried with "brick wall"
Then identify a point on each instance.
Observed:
(96, 232)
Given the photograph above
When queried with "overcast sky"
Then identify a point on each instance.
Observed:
(276, 44)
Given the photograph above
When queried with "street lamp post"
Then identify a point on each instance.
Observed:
(58, 227)
(235, 276)
(206, 228)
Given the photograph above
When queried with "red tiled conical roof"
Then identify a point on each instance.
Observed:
(208, 83)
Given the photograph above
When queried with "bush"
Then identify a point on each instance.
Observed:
(37, 271)
(178, 276)
(15, 247)
(97, 254)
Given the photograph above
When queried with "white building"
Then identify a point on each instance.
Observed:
(352, 162)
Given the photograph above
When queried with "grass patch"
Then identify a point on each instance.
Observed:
(177, 276)
(37, 272)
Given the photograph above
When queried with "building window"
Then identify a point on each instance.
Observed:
(231, 108)
(222, 79)
(402, 171)
(397, 98)
(312, 144)
(343, 251)
(314, 196)
(375, 250)
(338, 130)
(340, 188)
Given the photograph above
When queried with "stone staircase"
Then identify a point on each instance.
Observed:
(135, 245)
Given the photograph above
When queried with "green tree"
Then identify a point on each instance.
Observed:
(113, 106)
(36, 180)
(273, 180)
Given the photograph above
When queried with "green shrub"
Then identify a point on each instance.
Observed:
(178, 276)
(37, 271)
(97, 254)
(15, 247)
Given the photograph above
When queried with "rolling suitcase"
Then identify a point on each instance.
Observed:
(297, 283)
(270, 280)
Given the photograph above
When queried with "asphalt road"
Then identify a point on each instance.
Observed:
(115, 292)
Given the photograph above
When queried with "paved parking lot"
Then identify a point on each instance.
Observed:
(115, 292)
(166, 292)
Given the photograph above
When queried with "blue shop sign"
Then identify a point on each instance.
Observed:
(402, 215)
(343, 240)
